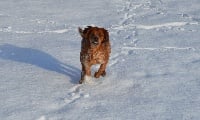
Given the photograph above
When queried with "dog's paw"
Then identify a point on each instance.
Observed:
(97, 74)
(103, 74)
(81, 81)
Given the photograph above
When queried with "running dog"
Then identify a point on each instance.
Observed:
(95, 49)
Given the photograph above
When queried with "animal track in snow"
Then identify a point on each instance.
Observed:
(75, 93)
(149, 27)
(41, 118)
(159, 49)
(9, 29)
(6, 29)
(114, 59)
(59, 31)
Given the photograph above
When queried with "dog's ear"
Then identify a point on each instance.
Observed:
(84, 32)
(106, 36)
(81, 32)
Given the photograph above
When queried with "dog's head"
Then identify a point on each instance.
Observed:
(94, 36)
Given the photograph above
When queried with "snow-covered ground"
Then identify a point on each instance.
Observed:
(153, 73)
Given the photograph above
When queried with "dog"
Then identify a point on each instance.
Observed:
(95, 49)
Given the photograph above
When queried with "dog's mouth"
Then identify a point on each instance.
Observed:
(95, 43)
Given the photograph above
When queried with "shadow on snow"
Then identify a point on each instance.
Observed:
(40, 59)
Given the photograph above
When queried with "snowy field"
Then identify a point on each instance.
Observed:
(153, 72)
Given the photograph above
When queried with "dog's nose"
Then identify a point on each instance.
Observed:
(95, 41)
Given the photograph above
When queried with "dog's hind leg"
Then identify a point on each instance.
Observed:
(101, 71)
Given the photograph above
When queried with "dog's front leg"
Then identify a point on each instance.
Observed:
(101, 71)
(82, 74)
(85, 74)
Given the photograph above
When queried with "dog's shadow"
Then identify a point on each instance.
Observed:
(40, 59)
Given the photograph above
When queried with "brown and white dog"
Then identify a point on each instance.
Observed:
(95, 49)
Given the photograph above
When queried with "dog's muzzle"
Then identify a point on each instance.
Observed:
(95, 42)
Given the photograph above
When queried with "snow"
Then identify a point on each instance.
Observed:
(153, 71)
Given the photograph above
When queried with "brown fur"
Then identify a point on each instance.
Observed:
(95, 49)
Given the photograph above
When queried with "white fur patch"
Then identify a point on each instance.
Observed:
(88, 80)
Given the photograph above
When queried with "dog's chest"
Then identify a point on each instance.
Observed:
(93, 58)
(99, 57)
